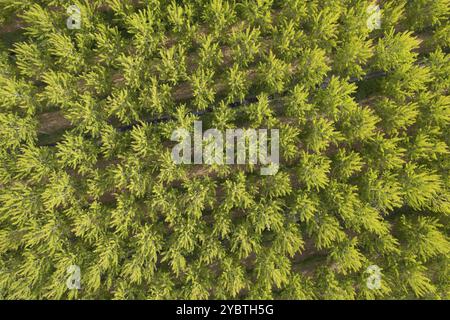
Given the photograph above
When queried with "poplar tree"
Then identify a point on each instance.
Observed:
(87, 178)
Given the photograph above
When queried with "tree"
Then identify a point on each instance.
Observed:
(273, 74)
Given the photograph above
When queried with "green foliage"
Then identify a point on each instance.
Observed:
(87, 176)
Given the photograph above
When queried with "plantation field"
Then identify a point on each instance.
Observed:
(94, 206)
